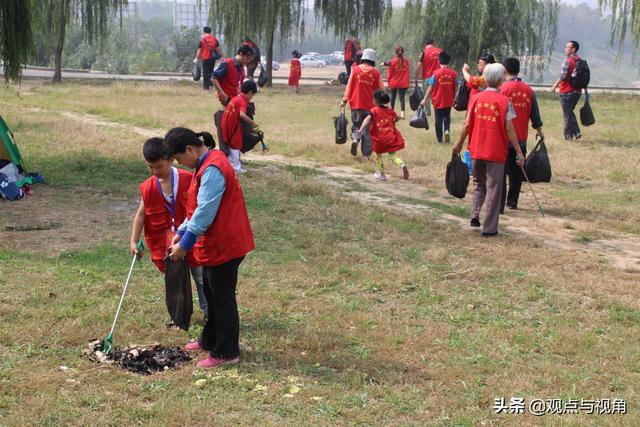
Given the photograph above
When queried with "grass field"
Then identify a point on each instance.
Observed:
(351, 313)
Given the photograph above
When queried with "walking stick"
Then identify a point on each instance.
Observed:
(532, 192)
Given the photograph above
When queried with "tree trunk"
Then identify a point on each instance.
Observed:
(57, 73)
(270, 36)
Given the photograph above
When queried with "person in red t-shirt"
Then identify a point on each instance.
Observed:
(427, 65)
(398, 75)
(569, 95)
(352, 51)
(442, 90)
(364, 80)
(296, 71)
(385, 136)
(231, 126)
(209, 51)
(162, 209)
(489, 125)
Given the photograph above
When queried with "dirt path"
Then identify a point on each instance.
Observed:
(622, 251)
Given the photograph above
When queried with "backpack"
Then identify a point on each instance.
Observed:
(581, 75)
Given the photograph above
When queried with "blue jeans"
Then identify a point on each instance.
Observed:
(196, 273)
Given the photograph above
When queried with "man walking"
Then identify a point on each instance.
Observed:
(352, 50)
(229, 75)
(427, 64)
(209, 51)
(569, 95)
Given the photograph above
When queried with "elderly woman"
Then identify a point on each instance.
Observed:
(490, 129)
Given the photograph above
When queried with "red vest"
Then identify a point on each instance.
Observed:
(295, 72)
(521, 96)
(398, 73)
(230, 125)
(230, 84)
(488, 139)
(230, 235)
(430, 62)
(384, 135)
(363, 84)
(208, 45)
(157, 219)
(351, 49)
(444, 91)
(565, 85)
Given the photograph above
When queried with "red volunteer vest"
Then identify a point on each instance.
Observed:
(521, 96)
(363, 84)
(430, 61)
(488, 138)
(230, 84)
(208, 45)
(398, 73)
(565, 85)
(157, 219)
(444, 91)
(230, 124)
(295, 72)
(384, 135)
(230, 235)
(351, 49)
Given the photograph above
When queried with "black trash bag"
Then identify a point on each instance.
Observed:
(217, 120)
(177, 281)
(537, 165)
(262, 78)
(250, 137)
(457, 177)
(195, 72)
(343, 78)
(341, 123)
(416, 98)
(462, 96)
(586, 113)
(419, 119)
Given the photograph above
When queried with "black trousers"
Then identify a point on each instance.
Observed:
(443, 122)
(397, 91)
(221, 333)
(347, 65)
(513, 171)
(568, 102)
(251, 70)
(208, 66)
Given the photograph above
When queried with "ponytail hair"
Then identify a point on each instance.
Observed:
(177, 140)
(400, 54)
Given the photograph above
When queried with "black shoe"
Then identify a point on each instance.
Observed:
(512, 206)
(501, 211)
(354, 148)
(578, 136)
(490, 234)
(475, 222)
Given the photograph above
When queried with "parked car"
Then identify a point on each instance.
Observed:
(330, 59)
(312, 62)
(338, 54)
(275, 66)
(311, 54)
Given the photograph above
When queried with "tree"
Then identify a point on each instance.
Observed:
(625, 18)
(53, 16)
(361, 16)
(16, 38)
(466, 28)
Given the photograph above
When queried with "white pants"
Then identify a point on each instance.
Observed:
(234, 159)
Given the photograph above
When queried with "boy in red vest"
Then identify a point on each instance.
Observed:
(231, 126)
(569, 95)
(489, 124)
(525, 104)
(162, 209)
(384, 135)
(442, 89)
(229, 75)
(427, 65)
(208, 50)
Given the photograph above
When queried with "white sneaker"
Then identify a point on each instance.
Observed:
(401, 115)
(380, 176)
(241, 171)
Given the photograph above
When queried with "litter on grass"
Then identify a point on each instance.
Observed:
(143, 360)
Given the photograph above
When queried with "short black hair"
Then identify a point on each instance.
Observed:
(154, 150)
(177, 140)
(296, 54)
(512, 65)
(248, 86)
(429, 40)
(366, 61)
(575, 44)
(245, 50)
(381, 96)
(444, 58)
(207, 30)
(487, 58)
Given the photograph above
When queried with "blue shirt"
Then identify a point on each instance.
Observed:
(221, 71)
(212, 187)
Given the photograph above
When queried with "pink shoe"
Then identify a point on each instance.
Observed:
(214, 362)
(192, 346)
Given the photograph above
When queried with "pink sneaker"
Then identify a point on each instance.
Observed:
(192, 346)
(214, 362)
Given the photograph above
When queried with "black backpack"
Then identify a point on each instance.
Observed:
(581, 74)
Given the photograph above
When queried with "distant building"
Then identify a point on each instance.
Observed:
(187, 13)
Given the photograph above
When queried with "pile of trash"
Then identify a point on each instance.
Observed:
(143, 360)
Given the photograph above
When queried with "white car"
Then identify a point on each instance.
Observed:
(312, 62)
(338, 54)
(311, 54)
(275, 66)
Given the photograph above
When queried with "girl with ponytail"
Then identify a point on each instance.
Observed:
(217, 232)
(398, 78)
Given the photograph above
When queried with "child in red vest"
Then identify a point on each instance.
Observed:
(162, 209)
(442, 89)
(296, 71)
(385, 137)
(231, 126)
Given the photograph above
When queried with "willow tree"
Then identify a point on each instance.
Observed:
(16, 39)
(625, 19)
(466, 28)
(362, 16)
(53, 16)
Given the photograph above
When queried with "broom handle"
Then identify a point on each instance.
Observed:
(124, 291)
